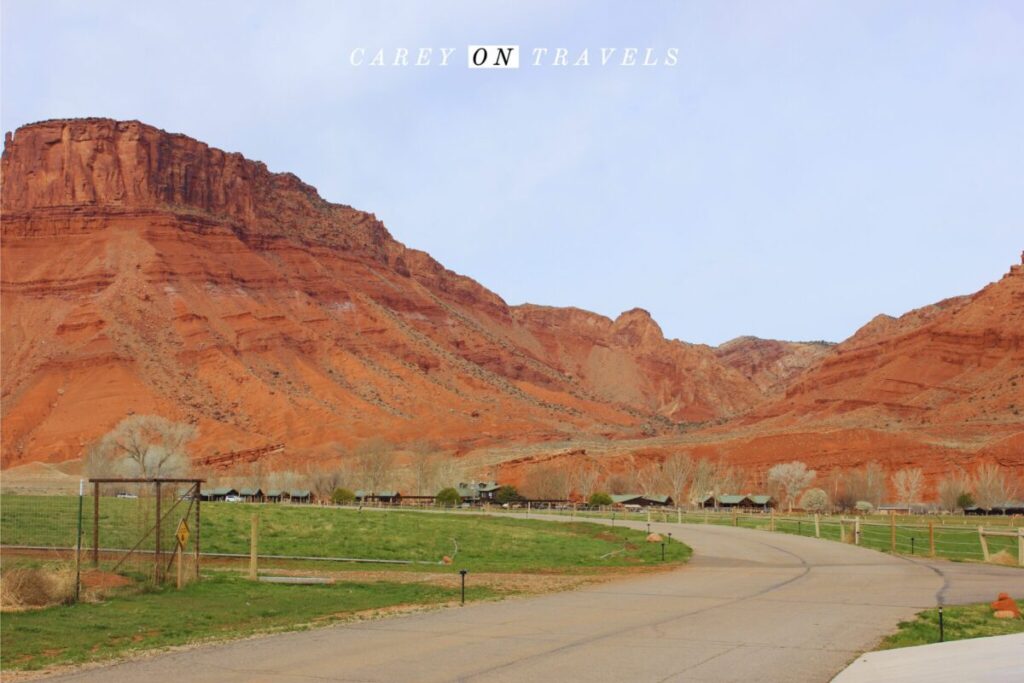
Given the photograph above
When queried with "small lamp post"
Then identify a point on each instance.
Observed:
(662, 551)
(462, 573)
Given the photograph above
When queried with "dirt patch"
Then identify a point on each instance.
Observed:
(95, 579)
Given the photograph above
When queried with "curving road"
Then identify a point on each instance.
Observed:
(750, 606)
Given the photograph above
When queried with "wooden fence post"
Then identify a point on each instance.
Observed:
(984, 543)
(931, 538)
(892, 532)
(181, 576)
(96, 524)
(856, 531)
(771, 524)
(842, 531)
(157, 574)
(253, 544)
(817, 526)
(735, 517)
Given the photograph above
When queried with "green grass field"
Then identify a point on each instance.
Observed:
(956, 536)
(967, 621)
(223, 605)
(490, 543)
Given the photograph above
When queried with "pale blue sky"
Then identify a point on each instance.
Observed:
(806, 166)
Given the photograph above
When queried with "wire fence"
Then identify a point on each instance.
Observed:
(996, 539)
(126, 528)
(120, 533)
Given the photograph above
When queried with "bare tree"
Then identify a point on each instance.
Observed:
(324, 482)
(100, 461)
(908, 483)
(254, 477)
(992, 486)
(703, 482)
(449, 472)
(622, 482)
(284, 481)
(375, 461)
(146, 446)
(727, 479)
(584, 478)
(647, 478)
(790, 478)
(676, 471)
(950, 488)
(865, 484)
(547, 482)
(424, 467)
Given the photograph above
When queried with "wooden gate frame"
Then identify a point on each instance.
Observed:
(194, 494)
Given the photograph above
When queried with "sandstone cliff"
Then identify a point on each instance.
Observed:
(148, 272)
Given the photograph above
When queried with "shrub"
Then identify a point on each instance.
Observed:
(507, 494)
(37, 586)
(814, 500)
(864, 507)
(599, 499)
(342, 496)
(448, 497)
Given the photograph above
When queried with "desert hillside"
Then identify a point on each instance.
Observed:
(146, 272)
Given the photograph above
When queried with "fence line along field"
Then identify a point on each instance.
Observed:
(476, 542)
(956, 537)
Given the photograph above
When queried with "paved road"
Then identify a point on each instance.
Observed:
(750, 606)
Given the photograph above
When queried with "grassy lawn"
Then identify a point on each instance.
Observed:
(967, 621)
(491, 543)
(223, 605)
(956, 536)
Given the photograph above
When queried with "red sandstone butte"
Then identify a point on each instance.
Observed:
(147, 272)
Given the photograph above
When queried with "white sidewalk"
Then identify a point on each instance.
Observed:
(988, 660)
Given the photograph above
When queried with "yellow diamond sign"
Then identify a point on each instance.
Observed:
(182, 533)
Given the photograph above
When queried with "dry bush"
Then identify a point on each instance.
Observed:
(25, 587)
(1003, 557)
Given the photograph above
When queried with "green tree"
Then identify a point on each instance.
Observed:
(342, 496)
(507, 494)
(599, 498)
(448, 497)
(965, 500)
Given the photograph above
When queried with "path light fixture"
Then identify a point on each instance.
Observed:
(462, 573)
(663, 551)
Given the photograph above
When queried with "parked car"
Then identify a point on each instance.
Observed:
(232, 499)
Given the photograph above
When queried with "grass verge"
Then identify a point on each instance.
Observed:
(224, 605)
(960, 622)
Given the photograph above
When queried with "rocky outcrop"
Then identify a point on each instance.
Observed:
(771, 364)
